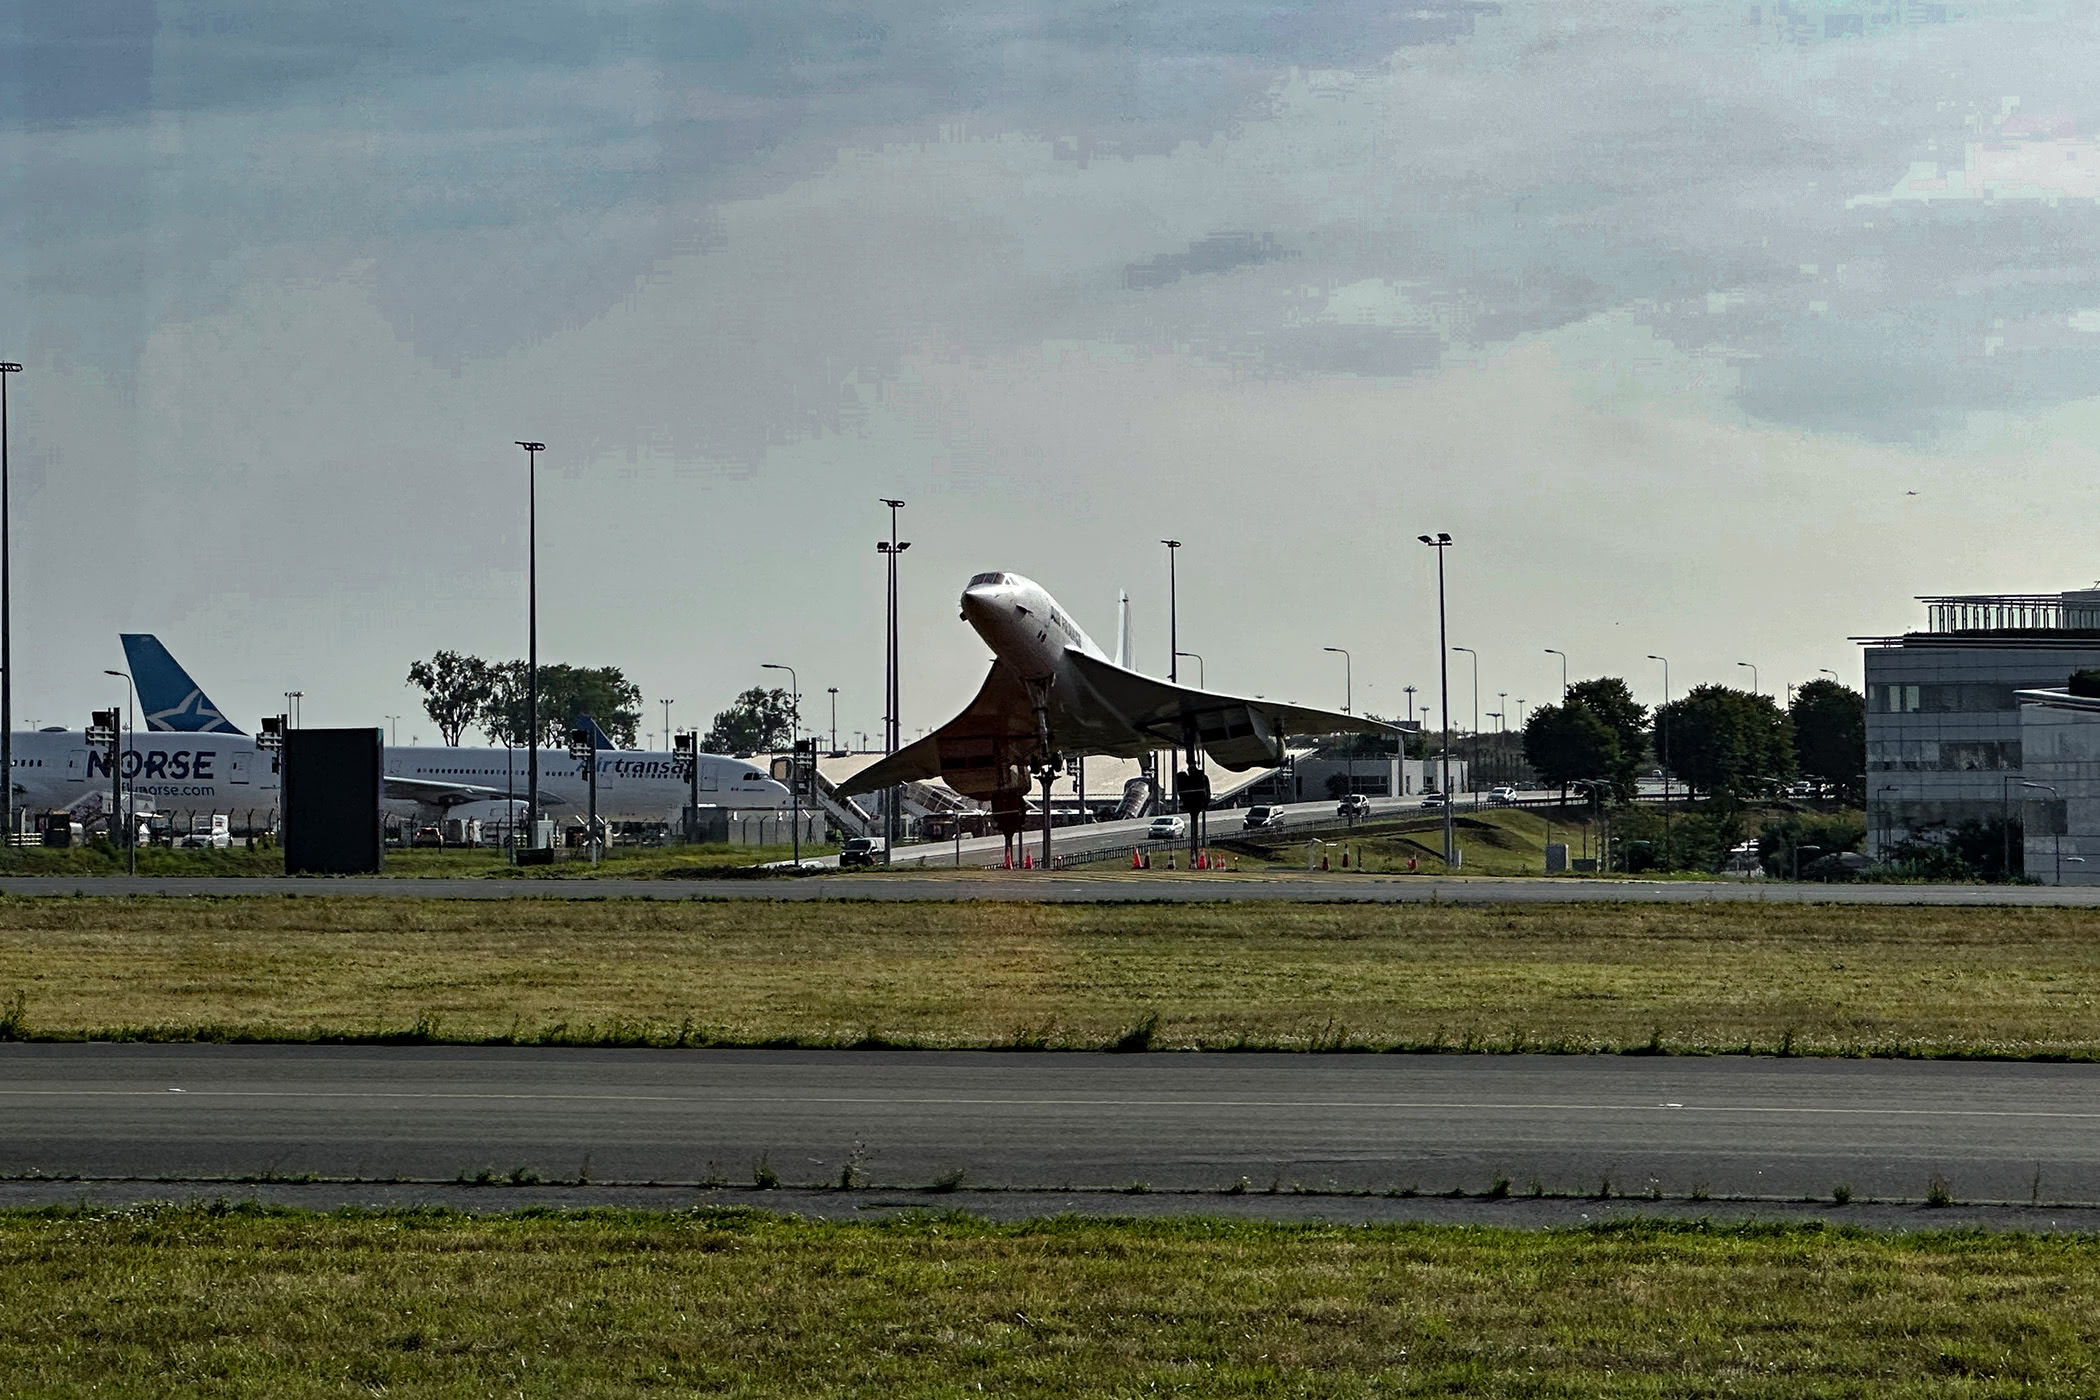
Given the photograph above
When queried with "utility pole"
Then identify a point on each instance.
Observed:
(532, 640)
(7, 659)
(1441, 542)
(667, 722)
(833, 691)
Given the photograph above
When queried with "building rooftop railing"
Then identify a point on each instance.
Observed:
(2010, 612)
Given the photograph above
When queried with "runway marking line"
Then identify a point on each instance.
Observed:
(831, 1100)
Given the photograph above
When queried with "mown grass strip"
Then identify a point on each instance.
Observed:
(204, 1300)
(1634, 978)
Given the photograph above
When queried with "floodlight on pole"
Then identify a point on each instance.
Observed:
(1473, 767)
(7, 661)
(794, 748)
(890, 549)
(532, 639)
(131, 821)
(1441, 542)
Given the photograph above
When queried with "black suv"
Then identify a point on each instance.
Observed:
(860, 850)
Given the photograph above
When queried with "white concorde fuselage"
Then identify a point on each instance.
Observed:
(1023, 625)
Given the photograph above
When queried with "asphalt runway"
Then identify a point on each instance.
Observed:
(1064, 887)
(1679, 1129)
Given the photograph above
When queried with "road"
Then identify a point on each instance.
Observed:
(1679, 1128)
(1069, 887)
(1097, 838)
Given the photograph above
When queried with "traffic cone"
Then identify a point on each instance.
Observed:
(1345, 857)
(1137, 859)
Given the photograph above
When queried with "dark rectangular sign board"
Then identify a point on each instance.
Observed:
(332, 784)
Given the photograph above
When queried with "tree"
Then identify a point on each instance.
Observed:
(456, 690)
(1567, 743)
(1611, 700)
(1830, 735)
(759, 721)
(1724, 740)
(602, 692)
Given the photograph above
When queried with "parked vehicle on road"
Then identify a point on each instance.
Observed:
(861, 850)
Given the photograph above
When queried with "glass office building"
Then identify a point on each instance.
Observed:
(1944, 742)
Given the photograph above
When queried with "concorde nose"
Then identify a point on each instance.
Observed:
(980, 602)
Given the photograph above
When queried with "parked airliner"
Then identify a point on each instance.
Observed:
(190, 759)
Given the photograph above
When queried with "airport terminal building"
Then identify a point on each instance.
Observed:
(1945, 738)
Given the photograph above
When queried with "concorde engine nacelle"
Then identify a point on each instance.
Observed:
(1239, 738)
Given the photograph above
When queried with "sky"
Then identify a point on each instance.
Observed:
(1716, 331)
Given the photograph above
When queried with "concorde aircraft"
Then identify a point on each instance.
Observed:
(1052, 694)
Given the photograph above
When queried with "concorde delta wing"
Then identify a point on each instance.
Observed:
(1236, 732)
(982, 750)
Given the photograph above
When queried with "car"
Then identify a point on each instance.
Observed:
(1353, 804)
(1435, 801)
(1259, 817)
(1166, 829)
(861, 850)
(430, 838)
(1501, 796)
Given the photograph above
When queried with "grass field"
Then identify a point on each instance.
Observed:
(195, 1301)
(1720, 977)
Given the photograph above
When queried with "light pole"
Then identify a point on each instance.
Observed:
(794, 749)
(1473, 767)
(532, 639)
(1663, 737)
(7, 660)
(1441, 542)
(393, 731)
(1556, 651)
(1173, 663)
(890, 549)
(291, 704)
(1754, 690)
(833, 692)
(1197, 657)
(1348, 698)
(1826, 671)
(131, 821)
(667, 722)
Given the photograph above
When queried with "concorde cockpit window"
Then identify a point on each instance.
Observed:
(988, 578)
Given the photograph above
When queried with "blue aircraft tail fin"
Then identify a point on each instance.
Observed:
(172, 702)
(599, 739)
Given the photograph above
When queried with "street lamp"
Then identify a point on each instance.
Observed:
(1197, 657)
(7, 663)
(890, 549)
(532, 638)
(1753, 677)
(1173, 661)
(131, 821)
(1556, 651)
(1663, 738)
(1473, 767)
(667, 722)
(833, 692)
(1348, 698)
(1441, 542)
(1826, 671)
(794, 749)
